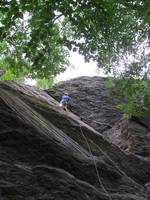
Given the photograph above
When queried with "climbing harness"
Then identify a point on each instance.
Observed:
(96, 169)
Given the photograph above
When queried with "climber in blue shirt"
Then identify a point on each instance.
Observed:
(64, 101)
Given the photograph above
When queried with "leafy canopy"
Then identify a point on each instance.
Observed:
(100, 30)
(36, 35)
(136, 93)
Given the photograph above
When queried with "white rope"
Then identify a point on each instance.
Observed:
(96, 169)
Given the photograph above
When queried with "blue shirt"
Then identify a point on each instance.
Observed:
(66, 98)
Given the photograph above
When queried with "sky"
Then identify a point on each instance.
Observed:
(78, 68)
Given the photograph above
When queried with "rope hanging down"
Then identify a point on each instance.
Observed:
(96, 169)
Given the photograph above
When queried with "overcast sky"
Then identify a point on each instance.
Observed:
(80, 68)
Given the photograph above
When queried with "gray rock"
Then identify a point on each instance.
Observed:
(95, 104)
(147, 185)
(91, 100)
(45, 153)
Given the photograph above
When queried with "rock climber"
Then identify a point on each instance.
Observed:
(64, 101)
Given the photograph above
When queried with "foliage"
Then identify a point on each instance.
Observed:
(19, 70)
(102, 31)
(136, 93)
(32, 39)
(14, 69)
(45, 83)
(34, 36)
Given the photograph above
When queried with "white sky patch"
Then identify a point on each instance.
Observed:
(30, 81)
(80, 68)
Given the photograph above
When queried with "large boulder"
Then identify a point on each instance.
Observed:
(91, 100)
(97, 106)
(47, 153)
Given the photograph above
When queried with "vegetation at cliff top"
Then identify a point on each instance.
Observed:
(36, 36)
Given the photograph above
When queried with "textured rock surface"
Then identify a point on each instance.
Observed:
(96, 105)
(91, 100)
(45, 154)
(131, 136)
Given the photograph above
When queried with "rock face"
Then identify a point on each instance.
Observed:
(96, 106)
(131, 136)
(47, 153)
(91, 100)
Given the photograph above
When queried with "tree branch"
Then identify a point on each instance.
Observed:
(57, 17)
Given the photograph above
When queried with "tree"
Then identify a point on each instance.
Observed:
(45, 83)
(14, 69)
(136, 95)
(30, 35)
(106, 31)
(101, 31)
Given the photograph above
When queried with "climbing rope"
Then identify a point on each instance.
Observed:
(95, 165)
